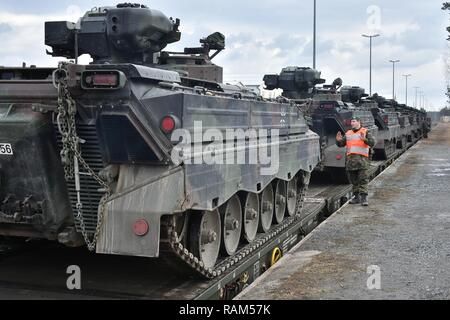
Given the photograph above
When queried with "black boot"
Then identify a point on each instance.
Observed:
(364, 200)
(356, 199)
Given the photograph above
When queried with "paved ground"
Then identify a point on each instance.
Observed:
(405, 232)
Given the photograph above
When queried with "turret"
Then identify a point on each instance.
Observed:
(352, 94)
(296, 82)
(128, 33)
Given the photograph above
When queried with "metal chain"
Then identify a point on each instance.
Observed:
(223, 267)
(72, 158)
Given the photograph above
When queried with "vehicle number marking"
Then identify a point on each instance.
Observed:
(6, 149)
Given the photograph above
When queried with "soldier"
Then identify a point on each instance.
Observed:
(358, 142)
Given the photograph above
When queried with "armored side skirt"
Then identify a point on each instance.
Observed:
(152, 192)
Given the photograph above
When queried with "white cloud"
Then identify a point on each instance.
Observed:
(265, 36)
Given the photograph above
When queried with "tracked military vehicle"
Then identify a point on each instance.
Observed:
(405, 130)
(407, 120)
(327, 111)
(143, 153)
(416, 117)
(393, 133)
(424, 128)
(387, 121)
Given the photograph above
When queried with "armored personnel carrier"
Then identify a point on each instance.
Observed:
(326, 110)
(145, 153)
(425, 128)
(419, 117)
(416, 119)
(405, 130)
(387, 121)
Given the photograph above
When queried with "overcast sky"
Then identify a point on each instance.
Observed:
(264, 36)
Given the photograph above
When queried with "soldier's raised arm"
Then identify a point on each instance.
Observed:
(370, 140)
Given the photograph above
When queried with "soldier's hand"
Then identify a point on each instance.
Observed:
(339, 137)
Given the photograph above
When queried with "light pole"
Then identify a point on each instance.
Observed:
(370, 72)
(406, 94)
(417, 88)
(314, 34)
(393, 77)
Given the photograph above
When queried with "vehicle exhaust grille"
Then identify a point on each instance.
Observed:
(90, 194)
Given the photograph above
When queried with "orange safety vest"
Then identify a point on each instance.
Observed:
(355, 144)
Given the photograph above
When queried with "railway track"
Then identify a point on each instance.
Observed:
(110, 277)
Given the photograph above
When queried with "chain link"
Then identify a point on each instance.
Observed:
(71, 156)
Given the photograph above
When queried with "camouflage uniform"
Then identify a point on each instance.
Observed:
(358, 166)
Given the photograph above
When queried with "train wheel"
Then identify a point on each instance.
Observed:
(231, 214)
(205, 236)
(251, 216)
(292, 190)
(267, 204)
(280, 201)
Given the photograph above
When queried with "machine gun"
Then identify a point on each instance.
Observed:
(215, 41)
(196, 62)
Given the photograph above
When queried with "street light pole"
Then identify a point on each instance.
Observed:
(370, 72)
(406, 94)
(417, 88)
(314, 35)
(393, 77)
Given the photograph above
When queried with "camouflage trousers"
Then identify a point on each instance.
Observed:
(360, 181)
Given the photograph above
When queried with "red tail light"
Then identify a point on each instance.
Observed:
(141, 227)
(168, 124)
(339, 157)
(386, 119)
